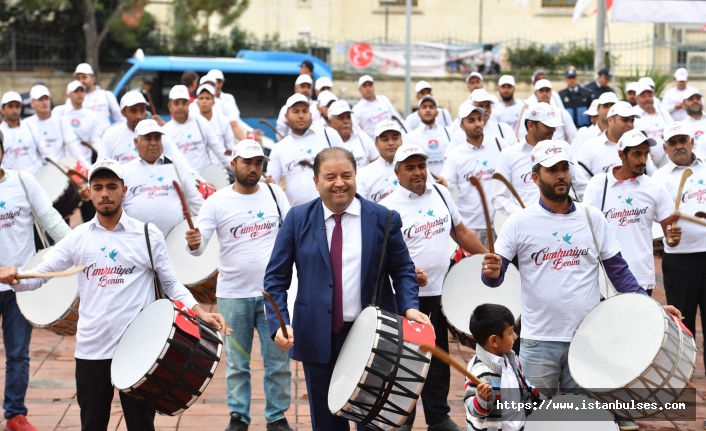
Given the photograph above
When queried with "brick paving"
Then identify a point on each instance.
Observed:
(52, 404)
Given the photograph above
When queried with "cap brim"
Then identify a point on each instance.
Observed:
(552, 122)
(264, 157)
(553, 160)
(426, 157)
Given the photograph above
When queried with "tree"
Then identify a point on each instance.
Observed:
(187, 12)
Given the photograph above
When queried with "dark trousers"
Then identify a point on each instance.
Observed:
(94, 392)
(16, 334)
(436, 387)
(685, 285)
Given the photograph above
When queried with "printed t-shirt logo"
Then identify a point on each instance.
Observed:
(433, 144)
(11, 215)
(2, 204)
(108, 274)
(560, 258)
(75, 123)
(152, 191)
(427, 229)
(256, 230)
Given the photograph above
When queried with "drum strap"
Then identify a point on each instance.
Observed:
(376, 299)
(276, 204)
(35, 219)
(609, 286)
(203, 138)
(158, 291)
(500, 149)
(605, 189)
(327, 140)
(453, 228)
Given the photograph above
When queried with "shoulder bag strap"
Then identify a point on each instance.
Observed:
(158, 291)
(500, 149)
(377, 293)
(327, 140)
(605, 189)
(453, 228)
(276, 204)
(501, 131)
(35, 219)
(610, 288)
(447, 134)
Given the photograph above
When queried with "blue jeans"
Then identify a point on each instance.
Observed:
(545, 365)
(16, 333)
(244, 315)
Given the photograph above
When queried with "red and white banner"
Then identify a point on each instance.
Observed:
(666, 11)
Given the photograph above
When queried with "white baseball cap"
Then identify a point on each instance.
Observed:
(690, 92)
(386, 125)
(425, 98)
(406, 151)
(10, 96)
(247, 149)
(592, 110)
(303, 79)
(132, 98)
(363, 79)
(179, 92)
(207, 78)
(467, 107)
(145, 127)
(73, 86)
(681, 74)
(641, 88)
(322, 82)
(634, 138)
(481, 95)
(206, 87)
(548, 153)
(338, 107)
(506, 79)
(676, 129)
(39, 91)
(84, 68)
(632, 86)
(474, 74)
(326, 97)
(624, 109)
(216, 74)
(646, 80)
(545, 114)
(608, 97)
(106, 163)
(296, 98)
(421, 85)
(542, 83)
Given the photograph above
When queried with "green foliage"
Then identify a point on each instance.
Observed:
(558, 57)
(531, 57)
(189, 13)
(661, 80)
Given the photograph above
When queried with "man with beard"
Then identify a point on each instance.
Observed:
(432, 137)
(354, 139)
(603, 105)
(246, 219)
(378, 180)
(695, 118)
(293, 156)
(557, 293)
(674, 97)
(119, 139)
(493, 129)
(543, 93)
(373, 109)
(651, 119)
(509, 110)
(683, 264)
(413, 120)
(630, 92)
(303, 85)
(515, 165)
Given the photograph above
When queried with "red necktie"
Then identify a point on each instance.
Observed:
(337, 270)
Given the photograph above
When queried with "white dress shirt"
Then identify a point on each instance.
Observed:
(351, 256)
(513, 420)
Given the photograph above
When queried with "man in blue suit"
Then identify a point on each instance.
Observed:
(336, 242)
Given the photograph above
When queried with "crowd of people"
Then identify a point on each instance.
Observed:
(319, 202)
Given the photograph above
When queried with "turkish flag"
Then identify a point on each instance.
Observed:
(187, 325)
(417, 333)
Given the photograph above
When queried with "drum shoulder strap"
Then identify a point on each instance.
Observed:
(501, 130)
(605, 189)
(453, 228)
(609, 285)
(378, 290)
(35, 218)
(447, 134)
(327, 139)
(276, 203)
(500, 149)
(158, 291)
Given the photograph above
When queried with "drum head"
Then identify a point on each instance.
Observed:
(53, 181)
(550, 419)
(190, 269)
(463, 291)
(142, 343)
(217, 175)
(657, 232)
(616, 341)
(499, 220)
(354, 357)
(46, 305)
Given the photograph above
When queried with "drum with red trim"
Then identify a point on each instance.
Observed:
(166, 357)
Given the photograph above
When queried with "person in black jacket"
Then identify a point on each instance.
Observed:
(600, 85)
(576, 99)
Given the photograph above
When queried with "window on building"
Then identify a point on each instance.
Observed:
(401, 3)
(558, 3)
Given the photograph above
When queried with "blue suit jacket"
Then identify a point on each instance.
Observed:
(302, 241)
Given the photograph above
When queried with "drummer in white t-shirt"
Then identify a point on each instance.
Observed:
(324, 100)
(543, 93)
(220, 126)
(246, 219)
(378, 180)
(22, 150)
(372, 108)
(413, 120)
(354, 139)
(431, 135)
(429, 216)
(97, 100)
(631, 202)
(559, 268)
(303, 85)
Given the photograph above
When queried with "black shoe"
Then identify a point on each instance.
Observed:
(236, 423)
(280, 425)
(447, 425)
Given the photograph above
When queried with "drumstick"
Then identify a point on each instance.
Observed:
(279, 314)
(686, 174)
(488, 225)
(184, 205)
(68, 172)
(146, 90)
(448, 360)
(519, 123)
(500, 177)
(89, 146)
(66, 273)
(691, 219)
(268, 124)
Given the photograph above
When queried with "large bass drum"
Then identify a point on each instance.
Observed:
(380, 370)
(628, 348)
(61, 191)
(463, 292)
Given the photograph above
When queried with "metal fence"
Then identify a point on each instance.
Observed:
(20, 51)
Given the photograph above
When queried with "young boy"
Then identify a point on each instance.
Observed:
(493, 327)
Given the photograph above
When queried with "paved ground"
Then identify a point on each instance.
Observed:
(52, 405)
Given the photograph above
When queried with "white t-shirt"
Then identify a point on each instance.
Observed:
(490, 130)
(246, 226)
(117, 282)
(367, 114)
(630, 208)
(600, 155)
(285, 158)
(194, 139)
(671, 98)
(698, 128)
(559, 267)
(426, 226)
(22, 152)
(466, 161)
(584, 134)
(361, 146)
(151, 196)
(16, 221)
(567, 132)
(434, 141)
(282, 125)
(104, 104)
(119, 144)
(223, 131)
(86, 127)
(653, 126)
(508, 114)
(443, 118)
(56, 139)
(693, 200)
(376, 181)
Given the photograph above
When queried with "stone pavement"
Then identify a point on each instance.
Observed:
(52, 404)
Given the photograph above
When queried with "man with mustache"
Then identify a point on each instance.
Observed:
(652, 119)
(378, 180)
(695, 118)
(557, 293)
(543, 94)
(354, 139)
(683, 264)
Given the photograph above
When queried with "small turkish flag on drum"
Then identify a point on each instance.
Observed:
(417, 333)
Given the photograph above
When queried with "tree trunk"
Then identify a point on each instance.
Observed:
(90, 32)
